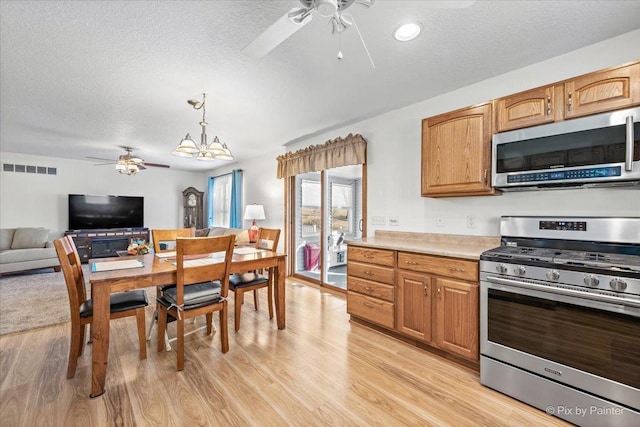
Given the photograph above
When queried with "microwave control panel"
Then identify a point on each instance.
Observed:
(566, 174)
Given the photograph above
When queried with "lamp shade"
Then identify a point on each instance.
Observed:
(254, 211)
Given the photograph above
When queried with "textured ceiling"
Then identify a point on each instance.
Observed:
(83, 78)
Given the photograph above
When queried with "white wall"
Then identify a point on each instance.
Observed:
(261, 187)
(35, 200)
(394, 153)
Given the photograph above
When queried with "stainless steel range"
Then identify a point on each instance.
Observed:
(560, 317)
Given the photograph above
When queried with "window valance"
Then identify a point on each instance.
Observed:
(332, 154)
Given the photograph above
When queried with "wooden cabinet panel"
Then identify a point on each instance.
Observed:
(371, 309)
(373, 256)
(530, 108)
(605, 90)
(456, 153)
(414, 305)
(441, 266)
(367, 287)
(457, 317)
(371, 272)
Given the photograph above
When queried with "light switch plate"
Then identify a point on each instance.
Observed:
(379, 220)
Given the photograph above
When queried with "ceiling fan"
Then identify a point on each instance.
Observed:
(298, 17)
(128, 164)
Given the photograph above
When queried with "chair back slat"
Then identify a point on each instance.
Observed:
(169, 235)
(190, 269)
(72, 271)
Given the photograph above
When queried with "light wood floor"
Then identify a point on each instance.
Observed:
(320, 370)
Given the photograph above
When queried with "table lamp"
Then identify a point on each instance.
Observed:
(253, 212)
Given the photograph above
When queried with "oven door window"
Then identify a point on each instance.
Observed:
(585, 148)
(600, 342)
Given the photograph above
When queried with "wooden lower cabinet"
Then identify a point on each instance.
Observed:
(414, 305)
(371, 309)
(427, 298)
(456, 325)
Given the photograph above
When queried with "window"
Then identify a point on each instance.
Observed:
(222, 201)
(310, 209)
(341, 207)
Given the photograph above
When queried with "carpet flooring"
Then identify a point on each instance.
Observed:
(31, 300)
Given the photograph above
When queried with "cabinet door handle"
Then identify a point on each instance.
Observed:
(368, 305)
(548, 105)
(439, 296)
(426, 290)
(486, 176)
(570, 102)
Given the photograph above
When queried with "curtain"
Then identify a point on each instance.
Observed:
(236, 199)
(332, 154)
(210, 202)
(225, 200)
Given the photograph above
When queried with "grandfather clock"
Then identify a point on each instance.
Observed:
(193, 210)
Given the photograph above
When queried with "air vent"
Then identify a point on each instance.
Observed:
(42, 170)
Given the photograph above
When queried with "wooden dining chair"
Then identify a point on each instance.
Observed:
(164, 240)
(253, 280)
(123, 304)
(202, 272)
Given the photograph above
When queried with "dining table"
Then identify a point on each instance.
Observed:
(154, 270)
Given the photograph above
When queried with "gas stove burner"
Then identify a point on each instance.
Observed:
(521, 253)
(620, 262)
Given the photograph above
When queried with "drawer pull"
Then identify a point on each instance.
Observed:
(368, 273)
(368, 305)
(368, 289)
(453, 269)
(411, 262)
(367, 256)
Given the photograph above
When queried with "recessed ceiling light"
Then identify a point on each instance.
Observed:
(407, 32)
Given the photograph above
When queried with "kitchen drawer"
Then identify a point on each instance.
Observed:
(367, 287)
(441, 266)
(371, 309)
(372, 256)
(371, 272)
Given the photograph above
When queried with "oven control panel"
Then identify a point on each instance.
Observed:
(563, 225)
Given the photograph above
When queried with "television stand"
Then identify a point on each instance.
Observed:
(102, 243)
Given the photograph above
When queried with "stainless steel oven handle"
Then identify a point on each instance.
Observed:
(628, 160)
(567, 292)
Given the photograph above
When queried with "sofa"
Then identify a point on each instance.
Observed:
(242, 236)
(26, 248)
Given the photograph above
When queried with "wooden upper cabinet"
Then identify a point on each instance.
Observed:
(530, 108)
(606, 90)
(456, 153)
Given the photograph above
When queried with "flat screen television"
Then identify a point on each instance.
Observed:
(88, 211)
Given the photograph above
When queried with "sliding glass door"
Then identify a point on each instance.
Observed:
(327, 211)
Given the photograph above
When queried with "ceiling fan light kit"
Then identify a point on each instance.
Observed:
(203, 151)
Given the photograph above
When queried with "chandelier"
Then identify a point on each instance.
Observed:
(203, 151)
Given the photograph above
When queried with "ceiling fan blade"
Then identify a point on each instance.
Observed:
(99, 158)
(155, 165)
(278, 32)
(449, 4)
(104, 164)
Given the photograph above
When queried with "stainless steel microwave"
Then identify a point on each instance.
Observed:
(594, 151)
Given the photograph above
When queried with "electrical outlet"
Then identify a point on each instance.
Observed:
(379, 220)
(394, 220)
(439, 221)
(471, 221)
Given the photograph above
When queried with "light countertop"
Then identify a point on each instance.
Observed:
(449, 245)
